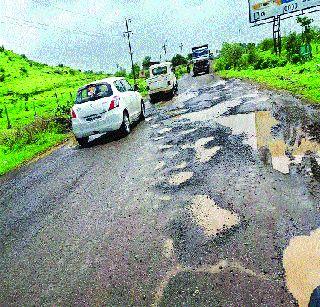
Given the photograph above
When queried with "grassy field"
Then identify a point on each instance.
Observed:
(301, 79)
(35, 100)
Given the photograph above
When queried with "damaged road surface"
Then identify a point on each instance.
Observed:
(213, 201)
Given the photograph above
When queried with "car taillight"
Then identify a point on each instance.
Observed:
(73, 114)
(114, 102)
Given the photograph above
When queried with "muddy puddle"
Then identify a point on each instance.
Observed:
(210, 217)
(301, 261)
(285, 149)
(282, 150)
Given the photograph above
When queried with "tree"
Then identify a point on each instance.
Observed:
(305, 22)
(232, 53)
(266, 44)
(293, 45)
(121, 73)
(146, 63)
(179, 59)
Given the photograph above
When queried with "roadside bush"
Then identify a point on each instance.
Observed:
(2, 77)
(293, 45)
(179, 59)
(221, 64)
(121, 73)
(21, 136)
(2, 48)
(232, 53)
(266, 44)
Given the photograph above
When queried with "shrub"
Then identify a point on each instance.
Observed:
(266, 44)
(121, 73)
(23, 71)
(2, 48)
(2, 77)
(179, 59)
(293, 45)
(232, 53)
(221, 64)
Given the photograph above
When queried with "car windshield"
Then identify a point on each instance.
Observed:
(159, 70)
(93, 92)
(200, 53)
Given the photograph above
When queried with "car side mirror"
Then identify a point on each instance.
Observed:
(136, 87)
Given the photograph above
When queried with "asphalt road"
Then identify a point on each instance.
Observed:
(212, 201)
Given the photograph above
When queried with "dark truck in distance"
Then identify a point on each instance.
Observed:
(200, 59)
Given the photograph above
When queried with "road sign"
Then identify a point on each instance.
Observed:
(264, 9)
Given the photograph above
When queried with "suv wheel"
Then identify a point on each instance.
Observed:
(83, 142)
(125, 128)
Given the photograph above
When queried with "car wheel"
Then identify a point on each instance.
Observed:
(125, 128)
(83, 142)
(153, 98)
(143, 112)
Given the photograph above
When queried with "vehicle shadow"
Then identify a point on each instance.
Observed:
(106, 138)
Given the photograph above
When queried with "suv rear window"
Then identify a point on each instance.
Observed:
(93, 92)
(159, 70)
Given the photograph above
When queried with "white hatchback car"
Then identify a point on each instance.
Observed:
(106, 105)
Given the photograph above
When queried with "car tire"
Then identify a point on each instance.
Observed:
(125, 128)
(143, 112)
(83, 142)
(152, 98)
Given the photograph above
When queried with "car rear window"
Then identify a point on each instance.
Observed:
(93, 92)
(159, 70)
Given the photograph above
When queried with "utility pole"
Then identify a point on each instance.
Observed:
(181, 46)
(127, 34)
(164, 47)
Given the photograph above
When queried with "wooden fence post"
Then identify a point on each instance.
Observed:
(9, 126)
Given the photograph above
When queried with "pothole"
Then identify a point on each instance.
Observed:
(210, 217)
(182, 165)
(301, 261)
(160, 165)
(164, 130)
(205, 154)
(202, 154)
(180, 178)
(168, 249)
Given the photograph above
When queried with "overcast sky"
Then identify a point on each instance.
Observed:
(88, 34)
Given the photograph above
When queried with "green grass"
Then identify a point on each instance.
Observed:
(302, 79)
(31, 90)
(11, 159)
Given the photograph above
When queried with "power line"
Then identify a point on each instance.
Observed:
(67, 10)
(33, 24)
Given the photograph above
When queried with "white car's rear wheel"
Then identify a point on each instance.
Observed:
(83, 142)
(125, 128)
(143, 111)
